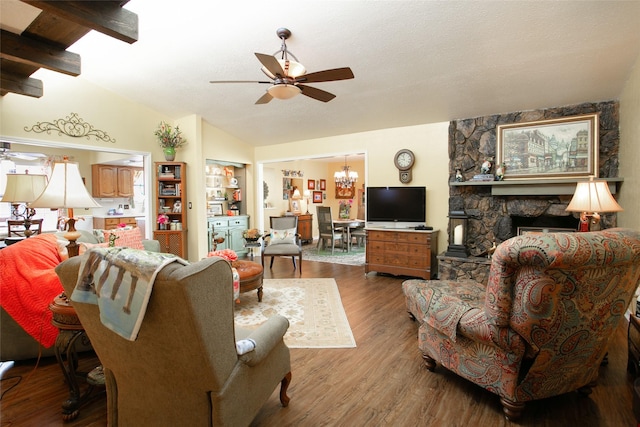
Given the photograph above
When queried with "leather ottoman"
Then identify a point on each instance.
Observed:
(251, 274)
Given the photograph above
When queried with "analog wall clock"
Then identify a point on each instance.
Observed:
(404, 160)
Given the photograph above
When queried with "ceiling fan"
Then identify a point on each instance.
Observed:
(287, 76)
(7, 154)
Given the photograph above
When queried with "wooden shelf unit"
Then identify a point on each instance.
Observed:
(402, 252)
(171, 190)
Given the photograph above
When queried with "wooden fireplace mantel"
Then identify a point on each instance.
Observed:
(535, 187)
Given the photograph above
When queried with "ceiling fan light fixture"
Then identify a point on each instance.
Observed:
(291, 69)
(284, 91)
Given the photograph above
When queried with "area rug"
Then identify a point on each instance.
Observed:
(355, 256)
(313, 307)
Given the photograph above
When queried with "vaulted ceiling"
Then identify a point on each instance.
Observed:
(414, 61)
(56, 25)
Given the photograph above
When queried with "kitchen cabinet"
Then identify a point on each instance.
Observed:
(112, 181)
(111, 223)
(231, 228)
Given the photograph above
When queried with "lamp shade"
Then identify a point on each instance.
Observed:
(291, 69)
(296, 194)
(593, 196)
(65, 189)
(23, 188)
(283, 91)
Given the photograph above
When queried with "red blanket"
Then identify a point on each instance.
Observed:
(28, 284)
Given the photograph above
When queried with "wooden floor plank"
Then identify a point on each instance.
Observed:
(380, 382)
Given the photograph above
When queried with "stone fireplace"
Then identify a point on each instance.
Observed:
(496, 210)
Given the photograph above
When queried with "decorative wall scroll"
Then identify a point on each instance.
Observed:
(73, 126)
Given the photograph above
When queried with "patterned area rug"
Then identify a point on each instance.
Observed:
(354, 257)
(313, 307)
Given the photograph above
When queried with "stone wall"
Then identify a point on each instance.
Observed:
(471, 141)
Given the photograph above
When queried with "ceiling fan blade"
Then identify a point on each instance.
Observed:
(320, 95)
(344, 73)
(238, 81)
(264, 98)
(270, 63)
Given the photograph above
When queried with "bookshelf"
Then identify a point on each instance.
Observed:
(171, 200)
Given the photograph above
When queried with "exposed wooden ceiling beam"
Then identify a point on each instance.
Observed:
(20, 85)
(38, 54)
(44, 42)
(107, 17)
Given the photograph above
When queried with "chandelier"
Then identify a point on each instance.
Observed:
(345, 178)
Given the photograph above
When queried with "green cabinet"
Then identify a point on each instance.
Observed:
(231, 228)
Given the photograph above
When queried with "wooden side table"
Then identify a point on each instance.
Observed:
(305, 228)
(66, 320)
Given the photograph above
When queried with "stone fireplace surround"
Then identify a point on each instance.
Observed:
(495, 218)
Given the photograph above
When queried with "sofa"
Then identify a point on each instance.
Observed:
(45, 251)
(542, 325)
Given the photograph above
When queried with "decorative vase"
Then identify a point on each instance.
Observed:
(169, 154)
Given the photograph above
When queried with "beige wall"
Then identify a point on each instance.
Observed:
(629, 197)
(428, 142)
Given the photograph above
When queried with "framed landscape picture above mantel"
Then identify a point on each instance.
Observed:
(558, 148)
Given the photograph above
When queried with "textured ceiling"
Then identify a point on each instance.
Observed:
(414, 62)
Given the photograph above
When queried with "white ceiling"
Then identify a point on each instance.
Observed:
(414, 62)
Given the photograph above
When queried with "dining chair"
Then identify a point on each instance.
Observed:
(16, 228)
(327, 230)
(283, 240)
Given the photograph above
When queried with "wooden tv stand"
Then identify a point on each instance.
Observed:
(402, 252)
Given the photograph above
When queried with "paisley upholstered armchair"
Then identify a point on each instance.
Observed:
(542, 325)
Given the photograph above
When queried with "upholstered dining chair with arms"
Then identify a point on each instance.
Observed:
(542, 325)
(327, 230)
(183, 369)
(283, 240)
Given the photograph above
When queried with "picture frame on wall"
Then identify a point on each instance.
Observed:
(311, 184)
(317, 197)
(345, 193)
(558, 148)
(323, 185)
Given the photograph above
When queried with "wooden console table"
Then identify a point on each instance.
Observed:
(402, 252)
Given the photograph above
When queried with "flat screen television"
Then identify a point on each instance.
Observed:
(396, 207)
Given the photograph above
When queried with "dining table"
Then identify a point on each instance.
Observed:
(347, 225)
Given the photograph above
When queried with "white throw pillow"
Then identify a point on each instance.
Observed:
(279, 237)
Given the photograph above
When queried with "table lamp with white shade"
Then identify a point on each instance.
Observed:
(23, 188)
(592, 198)
(66, 190)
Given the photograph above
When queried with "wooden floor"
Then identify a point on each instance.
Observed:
(382, 382)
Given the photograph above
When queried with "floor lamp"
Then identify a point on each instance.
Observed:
(592, 198)
(23, 188)
(66, 190)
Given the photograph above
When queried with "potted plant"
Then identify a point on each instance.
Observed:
(169, 139)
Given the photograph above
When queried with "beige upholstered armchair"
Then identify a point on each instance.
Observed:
(283, 240)
(183, 368)
(542, 325)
